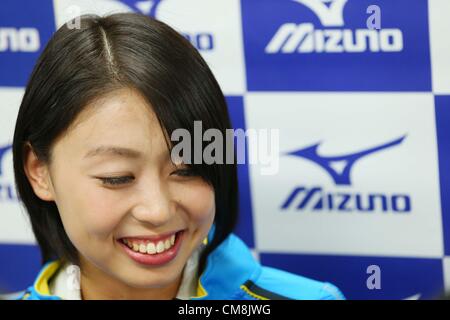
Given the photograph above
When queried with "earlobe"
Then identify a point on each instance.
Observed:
(37, 174)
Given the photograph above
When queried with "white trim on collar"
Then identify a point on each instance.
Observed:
(66, 283)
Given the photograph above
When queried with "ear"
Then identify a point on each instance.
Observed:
(37, 174)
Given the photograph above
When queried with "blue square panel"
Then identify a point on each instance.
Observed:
(19, 268)
(443, 134)
(244, 228)
(326, 45)
(367, 277)
(25, 28)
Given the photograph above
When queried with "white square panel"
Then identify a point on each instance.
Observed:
(213, 27)
(386, 204)
(439, 11)
(14, 223)
(446, 270)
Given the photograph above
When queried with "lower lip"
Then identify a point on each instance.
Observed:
(157, 258)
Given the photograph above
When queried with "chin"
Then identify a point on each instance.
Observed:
(154, 277)
(153, 281)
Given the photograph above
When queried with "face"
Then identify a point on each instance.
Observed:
(117, 189)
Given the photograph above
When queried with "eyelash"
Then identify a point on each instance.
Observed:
(114, 181)
(188, 172)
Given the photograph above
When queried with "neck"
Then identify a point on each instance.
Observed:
(97, 285)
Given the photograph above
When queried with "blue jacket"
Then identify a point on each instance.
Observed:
(231, 273)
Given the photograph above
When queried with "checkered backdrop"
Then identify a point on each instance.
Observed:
(363, 180)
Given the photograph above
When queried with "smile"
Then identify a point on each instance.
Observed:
(152, 250)
(150, 247)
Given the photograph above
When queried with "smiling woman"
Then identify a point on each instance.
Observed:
(93, 169)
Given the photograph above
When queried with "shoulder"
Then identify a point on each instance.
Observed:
(241, 276)
(39, 290)
(278, 284)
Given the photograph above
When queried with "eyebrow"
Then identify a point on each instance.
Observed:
(113, 151)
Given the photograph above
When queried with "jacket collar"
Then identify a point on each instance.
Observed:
(228, 267)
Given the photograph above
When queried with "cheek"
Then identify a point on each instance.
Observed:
(87, 211)
(103, 211)
(199, 203)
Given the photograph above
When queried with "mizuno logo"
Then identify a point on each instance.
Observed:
(19, 40)
(3, 151)
(339, 167)
(316, 199)
(305, 37)
(147, 7)
(202, 41)
(329, 12)
(7, 190)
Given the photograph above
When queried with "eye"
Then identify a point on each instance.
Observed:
(114, 181)
(185, 172)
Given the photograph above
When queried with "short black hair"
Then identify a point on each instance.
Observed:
(104, 54)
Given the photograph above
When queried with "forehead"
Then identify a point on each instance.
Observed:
(110, 125)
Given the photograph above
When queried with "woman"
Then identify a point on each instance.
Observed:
(114, 215)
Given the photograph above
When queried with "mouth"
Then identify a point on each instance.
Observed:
(152, 251)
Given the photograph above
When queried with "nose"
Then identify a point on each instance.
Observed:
(154, 205)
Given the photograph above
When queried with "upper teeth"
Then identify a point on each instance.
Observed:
(150, 247)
